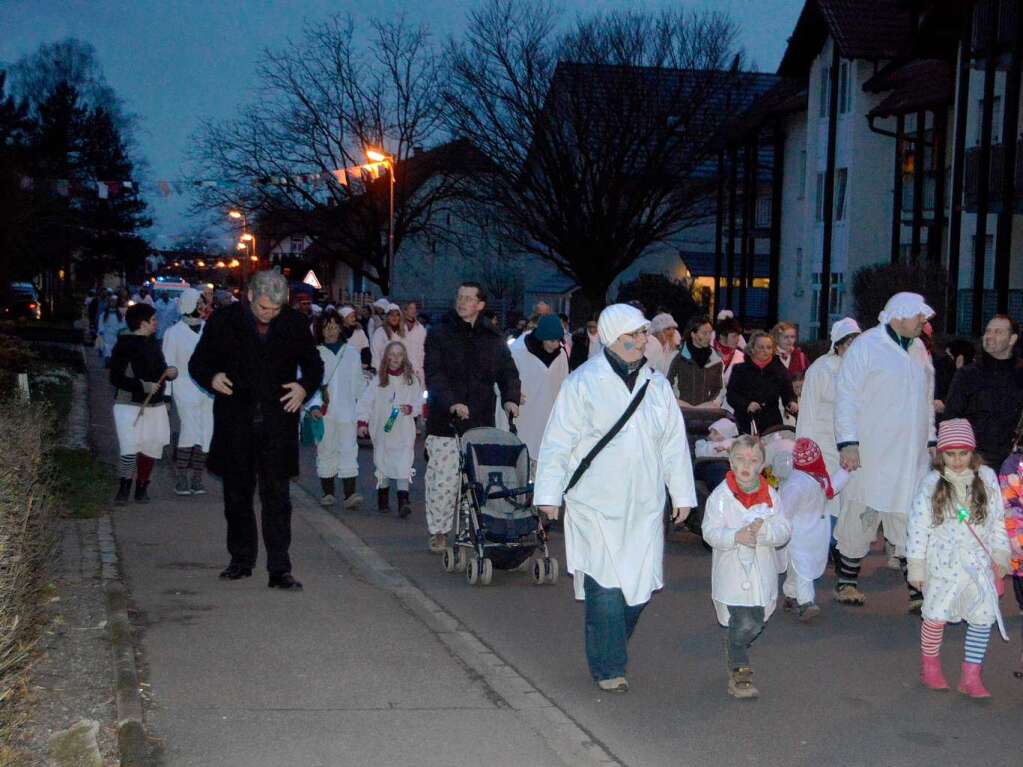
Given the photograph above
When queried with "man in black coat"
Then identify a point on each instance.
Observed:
(989, 392)
(465, 357)
(260, 361)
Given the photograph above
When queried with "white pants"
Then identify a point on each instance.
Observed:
(196, 419)
(799, 588)
(337, 455)
(147, 434)
(857, 529)
(442, 483)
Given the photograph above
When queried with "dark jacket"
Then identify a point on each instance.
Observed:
(463, 362)
(696, 384)
(258, 368)
(989, 394)
(135, 361)
(771, 386)
(580, 348)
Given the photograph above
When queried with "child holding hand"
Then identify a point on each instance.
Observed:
(957, 547)
(744, 524)
(387, 411)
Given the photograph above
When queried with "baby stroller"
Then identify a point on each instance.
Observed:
(496, 524)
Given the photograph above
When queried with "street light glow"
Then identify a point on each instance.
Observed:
(246, 237)
(376, 156)
(235, 263)
(241, 246)
(234, 214)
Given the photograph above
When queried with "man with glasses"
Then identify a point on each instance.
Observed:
(465, 358)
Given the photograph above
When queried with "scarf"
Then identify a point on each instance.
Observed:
(726, 352)
(535, 347)
(807, 458)
(761, 365)
(627, 371)
(748, 500)
(700, 356)
(785, 357)
(904, 343)
(961, 485)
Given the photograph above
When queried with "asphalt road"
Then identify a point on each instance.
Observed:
(841, 691)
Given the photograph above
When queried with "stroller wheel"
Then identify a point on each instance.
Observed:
(450, 560)
(538, 572)
(551, 570)
(487, 572)
(461, 559)
(472, 572)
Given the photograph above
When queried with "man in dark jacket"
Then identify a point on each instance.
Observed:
(989, 392)
(760, 386)
(248, 357)
(465, 358)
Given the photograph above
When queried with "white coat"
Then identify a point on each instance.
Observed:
(735, 566)
(614, 516)
(540, 385)
(393, 451)
(958, 583)
(378, 344)
(415, 345)
(194, 404)
(817, 408)
(804, 504)
(342, 378)
(883, 401)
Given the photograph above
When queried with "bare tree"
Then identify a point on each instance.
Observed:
(323, 102)
(600, 140)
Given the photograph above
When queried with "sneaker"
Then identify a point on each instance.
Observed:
(740, 683)
(789, 605)
(196, 486)
(181, 486)
(614, 684)
(849, 595)
(352, 501)
(807, 612)
(438, 543)
(327, 500)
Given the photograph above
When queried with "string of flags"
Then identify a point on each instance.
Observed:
(104, 190)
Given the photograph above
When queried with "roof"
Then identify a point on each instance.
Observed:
(786, 96)
(918, 85)
(875, 30)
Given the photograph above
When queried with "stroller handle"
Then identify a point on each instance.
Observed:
(512, 491)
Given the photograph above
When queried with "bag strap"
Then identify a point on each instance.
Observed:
(584, 464)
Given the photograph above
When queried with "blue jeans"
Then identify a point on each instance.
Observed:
(609, 625)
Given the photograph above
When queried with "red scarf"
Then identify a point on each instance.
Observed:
(725, 352)
(761, 495)
(763, 364)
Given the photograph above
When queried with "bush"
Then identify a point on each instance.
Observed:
(874, 285)
(656, 291)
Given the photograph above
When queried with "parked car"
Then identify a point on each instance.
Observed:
(21, 302)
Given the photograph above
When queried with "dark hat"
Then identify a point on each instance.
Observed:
(549, 328)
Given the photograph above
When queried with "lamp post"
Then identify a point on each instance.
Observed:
(388, 160)
(247, 237)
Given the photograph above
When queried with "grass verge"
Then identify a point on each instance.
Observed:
(81, 484)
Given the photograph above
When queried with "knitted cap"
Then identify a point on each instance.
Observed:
(549, 328)
(662, 321)
(805, 453)
(618, 319)
(956, 434)
(393, 308)
(187, 300)
(344, 311)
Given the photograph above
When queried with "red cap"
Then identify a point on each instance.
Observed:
(956, 434)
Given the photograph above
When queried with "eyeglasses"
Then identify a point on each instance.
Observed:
(636, 334)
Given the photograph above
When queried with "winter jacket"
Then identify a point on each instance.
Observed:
(695, 384)
(989, 394)
(258, 368)
(770, 386)
(136, 361)
(463, 362)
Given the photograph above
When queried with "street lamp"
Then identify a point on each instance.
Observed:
(239, 215)
(380, 157)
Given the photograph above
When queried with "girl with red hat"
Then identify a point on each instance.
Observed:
(958, 553)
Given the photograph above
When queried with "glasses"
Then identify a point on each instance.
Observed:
(636, 334)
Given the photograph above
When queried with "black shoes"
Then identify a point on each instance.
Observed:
(123, 493)
(383, 500)
(233, 572)
(404, 507)
(284, 581)
(141, 496)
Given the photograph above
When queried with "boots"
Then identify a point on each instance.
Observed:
(181, 484)
(327, 486)
(352, 498)
(123, 493)
(970, 682)
(404, 507)
(930, 673)
(740, 683)
(383, 499)
(141, 496)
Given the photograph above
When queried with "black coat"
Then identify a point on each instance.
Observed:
(134, 361)
(771, 386)
(580, 348)
(463, 362)
(258, 368)
(989, 394)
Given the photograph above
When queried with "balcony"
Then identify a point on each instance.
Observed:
(907, 196)
(995, 179)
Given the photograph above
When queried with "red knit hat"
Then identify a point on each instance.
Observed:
(956, 434)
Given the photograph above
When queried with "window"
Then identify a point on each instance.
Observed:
(835, 299)
(989, 263)
(820, 197)
(824, 91)
(844, 92)
(298, 244)
(802, 175)
(763, 216)
(841, 179)
(996, 121)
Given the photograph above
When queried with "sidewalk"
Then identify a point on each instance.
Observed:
(359, 669)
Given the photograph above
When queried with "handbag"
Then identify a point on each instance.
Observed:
(584, 464)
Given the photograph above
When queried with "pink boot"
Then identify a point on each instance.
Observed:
(930, 673)
(970, 682)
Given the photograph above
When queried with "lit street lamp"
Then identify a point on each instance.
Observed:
(388, 160)
(248, 237)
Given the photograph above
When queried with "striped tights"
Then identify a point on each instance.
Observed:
(193, 457)
(130, 465)
(977, 637)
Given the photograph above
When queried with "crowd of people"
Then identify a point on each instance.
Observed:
(627, 420)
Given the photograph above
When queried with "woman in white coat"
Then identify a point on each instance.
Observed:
(193, 404)
(884, 420)
(387, 411)
(392, 329)
(337, 453)
(817, 402)
(614, 529)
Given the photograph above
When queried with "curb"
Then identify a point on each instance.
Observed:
(131, 733)
(562, 734)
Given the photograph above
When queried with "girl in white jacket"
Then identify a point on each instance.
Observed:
(387, 411)
(957, 549)
(744, 524)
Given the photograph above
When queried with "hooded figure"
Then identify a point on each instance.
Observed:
(614, 514)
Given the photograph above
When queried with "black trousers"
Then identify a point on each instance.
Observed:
(275, 512)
